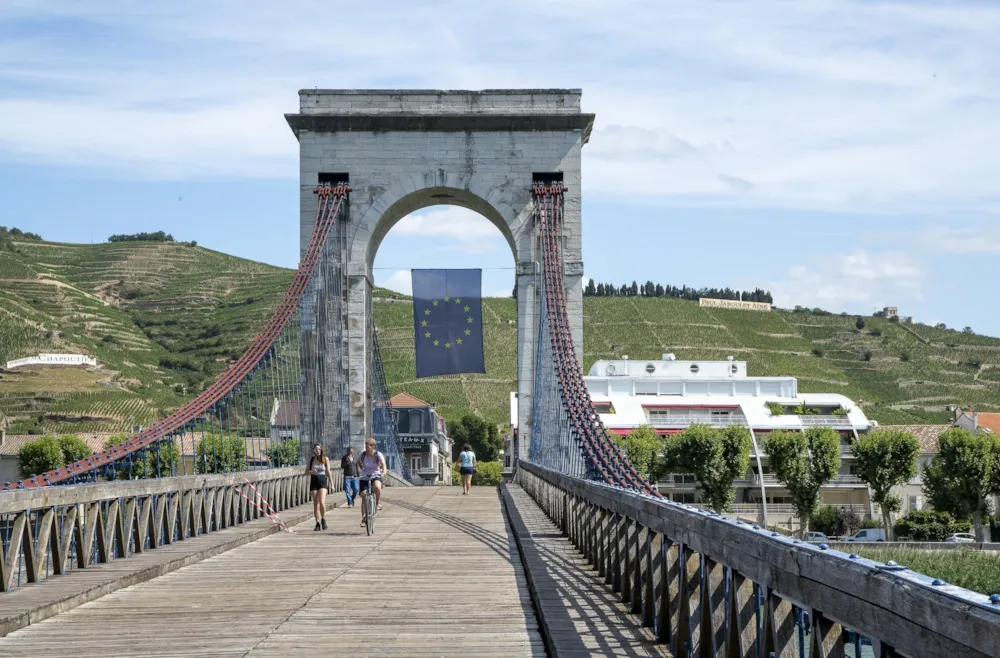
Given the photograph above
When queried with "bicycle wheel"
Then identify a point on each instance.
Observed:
(370, 510)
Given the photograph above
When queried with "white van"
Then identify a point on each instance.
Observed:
(868, 534)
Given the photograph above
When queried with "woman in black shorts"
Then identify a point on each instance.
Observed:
(319, 483)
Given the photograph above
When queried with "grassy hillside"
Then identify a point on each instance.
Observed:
(161, 319)
(164, 318)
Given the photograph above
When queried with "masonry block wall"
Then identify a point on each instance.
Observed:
(406, 150)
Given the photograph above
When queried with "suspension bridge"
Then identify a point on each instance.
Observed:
(131, 551)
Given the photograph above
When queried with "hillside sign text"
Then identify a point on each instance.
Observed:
(732, 303)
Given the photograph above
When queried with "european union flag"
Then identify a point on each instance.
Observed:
(448, 321)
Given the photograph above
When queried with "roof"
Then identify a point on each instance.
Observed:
(990, 422)
(405, 400)
(13, 443)
(926, 434)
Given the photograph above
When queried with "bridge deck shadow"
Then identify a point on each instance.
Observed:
(441, 576)
(583, 617)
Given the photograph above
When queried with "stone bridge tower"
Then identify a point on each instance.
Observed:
(403, 150)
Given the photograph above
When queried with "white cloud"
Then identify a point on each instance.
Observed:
(856, 282)
(982, 240)
(840, 105)
(452, 228)
(398, 280)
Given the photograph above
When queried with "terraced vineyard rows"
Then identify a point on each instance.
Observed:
(163, 319)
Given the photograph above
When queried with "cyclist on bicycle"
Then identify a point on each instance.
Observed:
(372, 466)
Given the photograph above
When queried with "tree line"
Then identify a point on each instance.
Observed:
(959, 482)
(650, 289)
(157, 236)
(8, 235)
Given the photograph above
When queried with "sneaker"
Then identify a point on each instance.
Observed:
(317, 526)
(323, 523)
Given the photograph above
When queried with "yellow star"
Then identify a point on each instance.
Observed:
(466, 309)
(427, 312)
(468, 332)
(458, 301)
(427, 334)
(436, 302)
(469, 320)
(436, 343)
(458, 341)
(447, 299)
(424, 323)
(447, 346)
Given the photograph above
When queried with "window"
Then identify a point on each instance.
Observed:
(734, 369)
(914, 503)
(683, 478)
(721, 414)
(686, 498)
(650, 368)
(694, 368)
(604, 408)
(415, 462)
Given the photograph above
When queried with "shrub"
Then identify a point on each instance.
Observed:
(220, 454)
(929, 525)
(284, 453)
(871, 523)
(859, 323)
(867, 356)
(876, 332)
(776, 408)
(488, 474)
(818, 352)
(825, 520)
(905, 356)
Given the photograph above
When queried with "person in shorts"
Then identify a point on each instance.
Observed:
(467, 466)
(318, 471)
(371, 466)
(349, 465)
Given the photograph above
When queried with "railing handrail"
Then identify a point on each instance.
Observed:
(895, 605)
(19, 500)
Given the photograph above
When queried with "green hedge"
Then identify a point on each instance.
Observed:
(928, 525)
(488, 474)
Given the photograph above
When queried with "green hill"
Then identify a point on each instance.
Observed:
(165, 318)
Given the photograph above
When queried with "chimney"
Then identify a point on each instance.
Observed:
(958, 412)
(975, 421)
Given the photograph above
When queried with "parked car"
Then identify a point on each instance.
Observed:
(962, 537)
(816, 536)
(868, 534)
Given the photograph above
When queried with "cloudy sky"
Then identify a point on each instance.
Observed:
(844, 154)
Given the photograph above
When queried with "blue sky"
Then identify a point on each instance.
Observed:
(842, 154)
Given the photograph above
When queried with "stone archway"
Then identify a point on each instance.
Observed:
(401, 151)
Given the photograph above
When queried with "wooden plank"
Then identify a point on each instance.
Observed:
(441, 576)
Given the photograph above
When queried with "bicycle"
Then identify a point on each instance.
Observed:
(370, 507)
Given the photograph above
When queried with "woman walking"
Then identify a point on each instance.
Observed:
(467, 467)
(319, 482)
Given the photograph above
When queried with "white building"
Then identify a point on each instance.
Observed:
(670, 395)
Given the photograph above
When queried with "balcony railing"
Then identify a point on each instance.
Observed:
(826, 421)
(684, 420)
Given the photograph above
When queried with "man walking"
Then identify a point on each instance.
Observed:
(350, 468)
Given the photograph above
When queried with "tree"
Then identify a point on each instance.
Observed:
(859, 323)
(715, 457)
(885, 459)
(49, 452)
(39, 456)
(162, 459)
(967, 330)
(514, 292)
(802, 463)
(964, 475)
(591, 289)
(220, 453)
(284, 453)
(642, 447)
(476, 432)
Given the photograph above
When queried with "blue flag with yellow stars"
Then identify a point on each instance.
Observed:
(448, 321)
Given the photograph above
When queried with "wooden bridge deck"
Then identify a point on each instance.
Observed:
(441, 576)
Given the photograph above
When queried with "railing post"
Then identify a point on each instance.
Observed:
(714, 578)
(827, 637)
(742, 617)
(648, 600)
(626, 577)
(781, 639)
(637, 563)
(691, 602)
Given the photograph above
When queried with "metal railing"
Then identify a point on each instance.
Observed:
(709, 585)
(685, 420)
